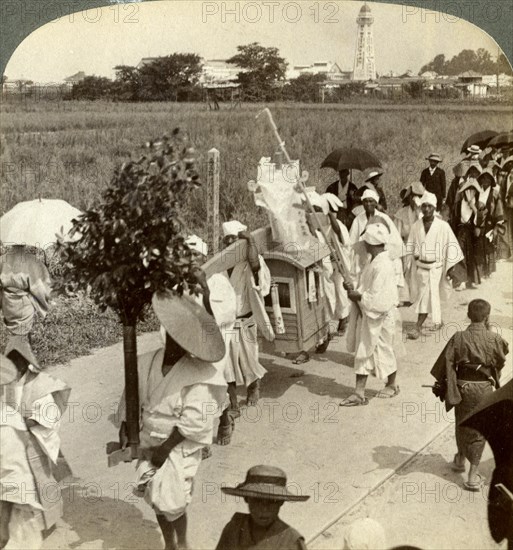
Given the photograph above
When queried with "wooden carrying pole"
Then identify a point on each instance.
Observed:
(339, 260)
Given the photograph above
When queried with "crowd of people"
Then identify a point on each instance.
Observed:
(440, 238)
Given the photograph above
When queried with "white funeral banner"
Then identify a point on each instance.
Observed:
(276, 191)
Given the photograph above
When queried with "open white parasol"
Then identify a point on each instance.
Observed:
(37, 222)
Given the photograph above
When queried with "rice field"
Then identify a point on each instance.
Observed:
(68, 150)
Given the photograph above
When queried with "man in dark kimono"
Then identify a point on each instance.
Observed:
(468, 369)
(265, 491)
(345, 190)
(433, 179)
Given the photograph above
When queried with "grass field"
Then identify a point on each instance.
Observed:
(68, 150)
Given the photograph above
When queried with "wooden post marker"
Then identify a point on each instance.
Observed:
(213, 171)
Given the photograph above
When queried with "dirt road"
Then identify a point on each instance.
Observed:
(335, 455)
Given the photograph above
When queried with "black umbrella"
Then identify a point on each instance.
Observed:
(501, 140)
(493, 417)
(350, 158)
(479, 138)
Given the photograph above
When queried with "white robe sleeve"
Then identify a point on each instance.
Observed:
(264, 278)
(47, 415)
(380, 297)
(202, 404)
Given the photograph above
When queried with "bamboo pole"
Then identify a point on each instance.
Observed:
(339, 260)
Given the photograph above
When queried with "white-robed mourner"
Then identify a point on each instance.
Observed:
(394, 245)
(31, 406)
(434, 254)
(243, 367)
(372, 321)
(372, 340)
(186, 398)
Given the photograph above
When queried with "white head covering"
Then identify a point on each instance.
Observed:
(364, 534)
(429, 198)
(370, 194)
(333, 201)
(197, 244)
(233, 227)
(376, 233)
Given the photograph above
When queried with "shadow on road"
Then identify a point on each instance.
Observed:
(280, 378)
(387, 458)
(94, 517)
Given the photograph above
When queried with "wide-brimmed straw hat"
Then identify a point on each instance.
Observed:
(190, 326)
(8, 370)
(374, 174)
(23, 347)
(435, 157)
(265, 482)
(474, 150)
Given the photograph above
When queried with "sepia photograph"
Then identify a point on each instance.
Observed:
(256, 275)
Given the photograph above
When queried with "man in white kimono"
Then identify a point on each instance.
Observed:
(371, 214)
(327, 206)
(372, 330)
(339, 236)
(404, 218)
(181, 393)
(435, 251)
(31, 406)
(251, 280)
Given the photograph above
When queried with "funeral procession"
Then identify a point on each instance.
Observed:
(261, 294)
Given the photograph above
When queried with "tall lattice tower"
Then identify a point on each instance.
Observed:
(364, 65)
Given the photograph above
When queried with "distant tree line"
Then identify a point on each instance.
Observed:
(176, 77)
(480, 61)
(262, 78)
(173, 77)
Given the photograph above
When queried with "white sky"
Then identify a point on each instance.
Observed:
(99, 39)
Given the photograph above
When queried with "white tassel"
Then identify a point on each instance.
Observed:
(279, 325)
(312, 292)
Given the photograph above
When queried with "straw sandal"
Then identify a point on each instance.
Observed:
(224, 433)
(388, 392)
(437, 327)
(354, 400)
(321, 348)
(303, 357)
(474, 486)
